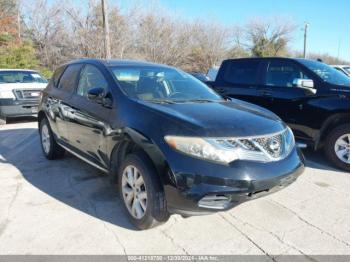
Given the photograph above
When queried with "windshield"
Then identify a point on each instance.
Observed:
(20, 77)
(327, 73)
(161, 84)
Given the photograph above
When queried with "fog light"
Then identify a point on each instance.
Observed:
(215, 201)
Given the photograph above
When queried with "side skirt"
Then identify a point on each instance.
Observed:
(84, 159)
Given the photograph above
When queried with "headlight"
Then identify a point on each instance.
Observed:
(266, 148)
(202, 147)
(7, 94)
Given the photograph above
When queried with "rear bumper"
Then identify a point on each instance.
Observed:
(18, 108)
(236, 185)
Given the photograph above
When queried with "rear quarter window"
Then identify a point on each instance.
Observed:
(69, 79)
(56, 76)
(242, 72)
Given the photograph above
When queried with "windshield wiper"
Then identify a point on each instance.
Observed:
(202, 100)
(165, 101)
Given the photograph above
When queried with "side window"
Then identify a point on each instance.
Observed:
(91, 77)
(69, 78)
(242, 72)
(56, 76)
(283, 73)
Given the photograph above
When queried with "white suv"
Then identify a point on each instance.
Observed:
(20, 92)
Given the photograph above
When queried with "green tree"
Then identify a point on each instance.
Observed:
(268, 38)
(21, 56)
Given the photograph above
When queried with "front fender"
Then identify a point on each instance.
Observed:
(131, 137)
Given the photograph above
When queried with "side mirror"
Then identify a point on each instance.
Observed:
(306, 84)
(96, 94)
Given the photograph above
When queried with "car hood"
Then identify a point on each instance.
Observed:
(12, 86)
(220, 119)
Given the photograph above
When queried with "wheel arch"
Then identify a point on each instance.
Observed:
(41, 116)
(134, 141)
(329, 124)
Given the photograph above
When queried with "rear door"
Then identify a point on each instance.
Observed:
(283, 98)
(240, 79)
(57, 99)
(90, 120)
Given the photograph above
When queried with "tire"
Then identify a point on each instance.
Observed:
(150, 211)
(338, 140)
(49, 146)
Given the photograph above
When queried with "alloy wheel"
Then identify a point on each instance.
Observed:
(134, 191)
(342, 148)
(45, 138)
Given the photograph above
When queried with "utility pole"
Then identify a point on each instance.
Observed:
(18, 20)
(305, 38)
(107, 41)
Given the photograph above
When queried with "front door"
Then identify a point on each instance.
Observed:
(280, 96)
(90, 125)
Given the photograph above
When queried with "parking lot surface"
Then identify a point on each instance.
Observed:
(67, 207)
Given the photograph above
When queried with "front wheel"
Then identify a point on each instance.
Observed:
(337, 147)
(141, 192)
(49, 146)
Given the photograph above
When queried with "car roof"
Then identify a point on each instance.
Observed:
(268, 58)
(116, 62)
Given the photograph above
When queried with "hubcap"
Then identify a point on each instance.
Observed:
(45, 138)
(134, 192)
(342, 148)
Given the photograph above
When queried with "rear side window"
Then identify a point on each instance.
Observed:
(69, 78)
(242, 72)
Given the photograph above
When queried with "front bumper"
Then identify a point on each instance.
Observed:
(18, 108)
(240, 182)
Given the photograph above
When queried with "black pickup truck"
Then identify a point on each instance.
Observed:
(311, 97)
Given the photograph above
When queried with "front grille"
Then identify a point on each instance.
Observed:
(266, 148)
(273, 145)
(27, 94)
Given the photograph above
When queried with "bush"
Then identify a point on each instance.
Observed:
(21, 56)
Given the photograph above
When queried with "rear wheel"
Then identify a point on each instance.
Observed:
(337, 147)
(141, 192)
(49, 146)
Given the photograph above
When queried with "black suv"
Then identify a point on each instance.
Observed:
(311, 97)
(170, 143)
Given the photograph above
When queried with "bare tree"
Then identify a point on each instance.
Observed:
(209, 45)
(62, 30)
(87, 29)
(47, 31)
(268, 38)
